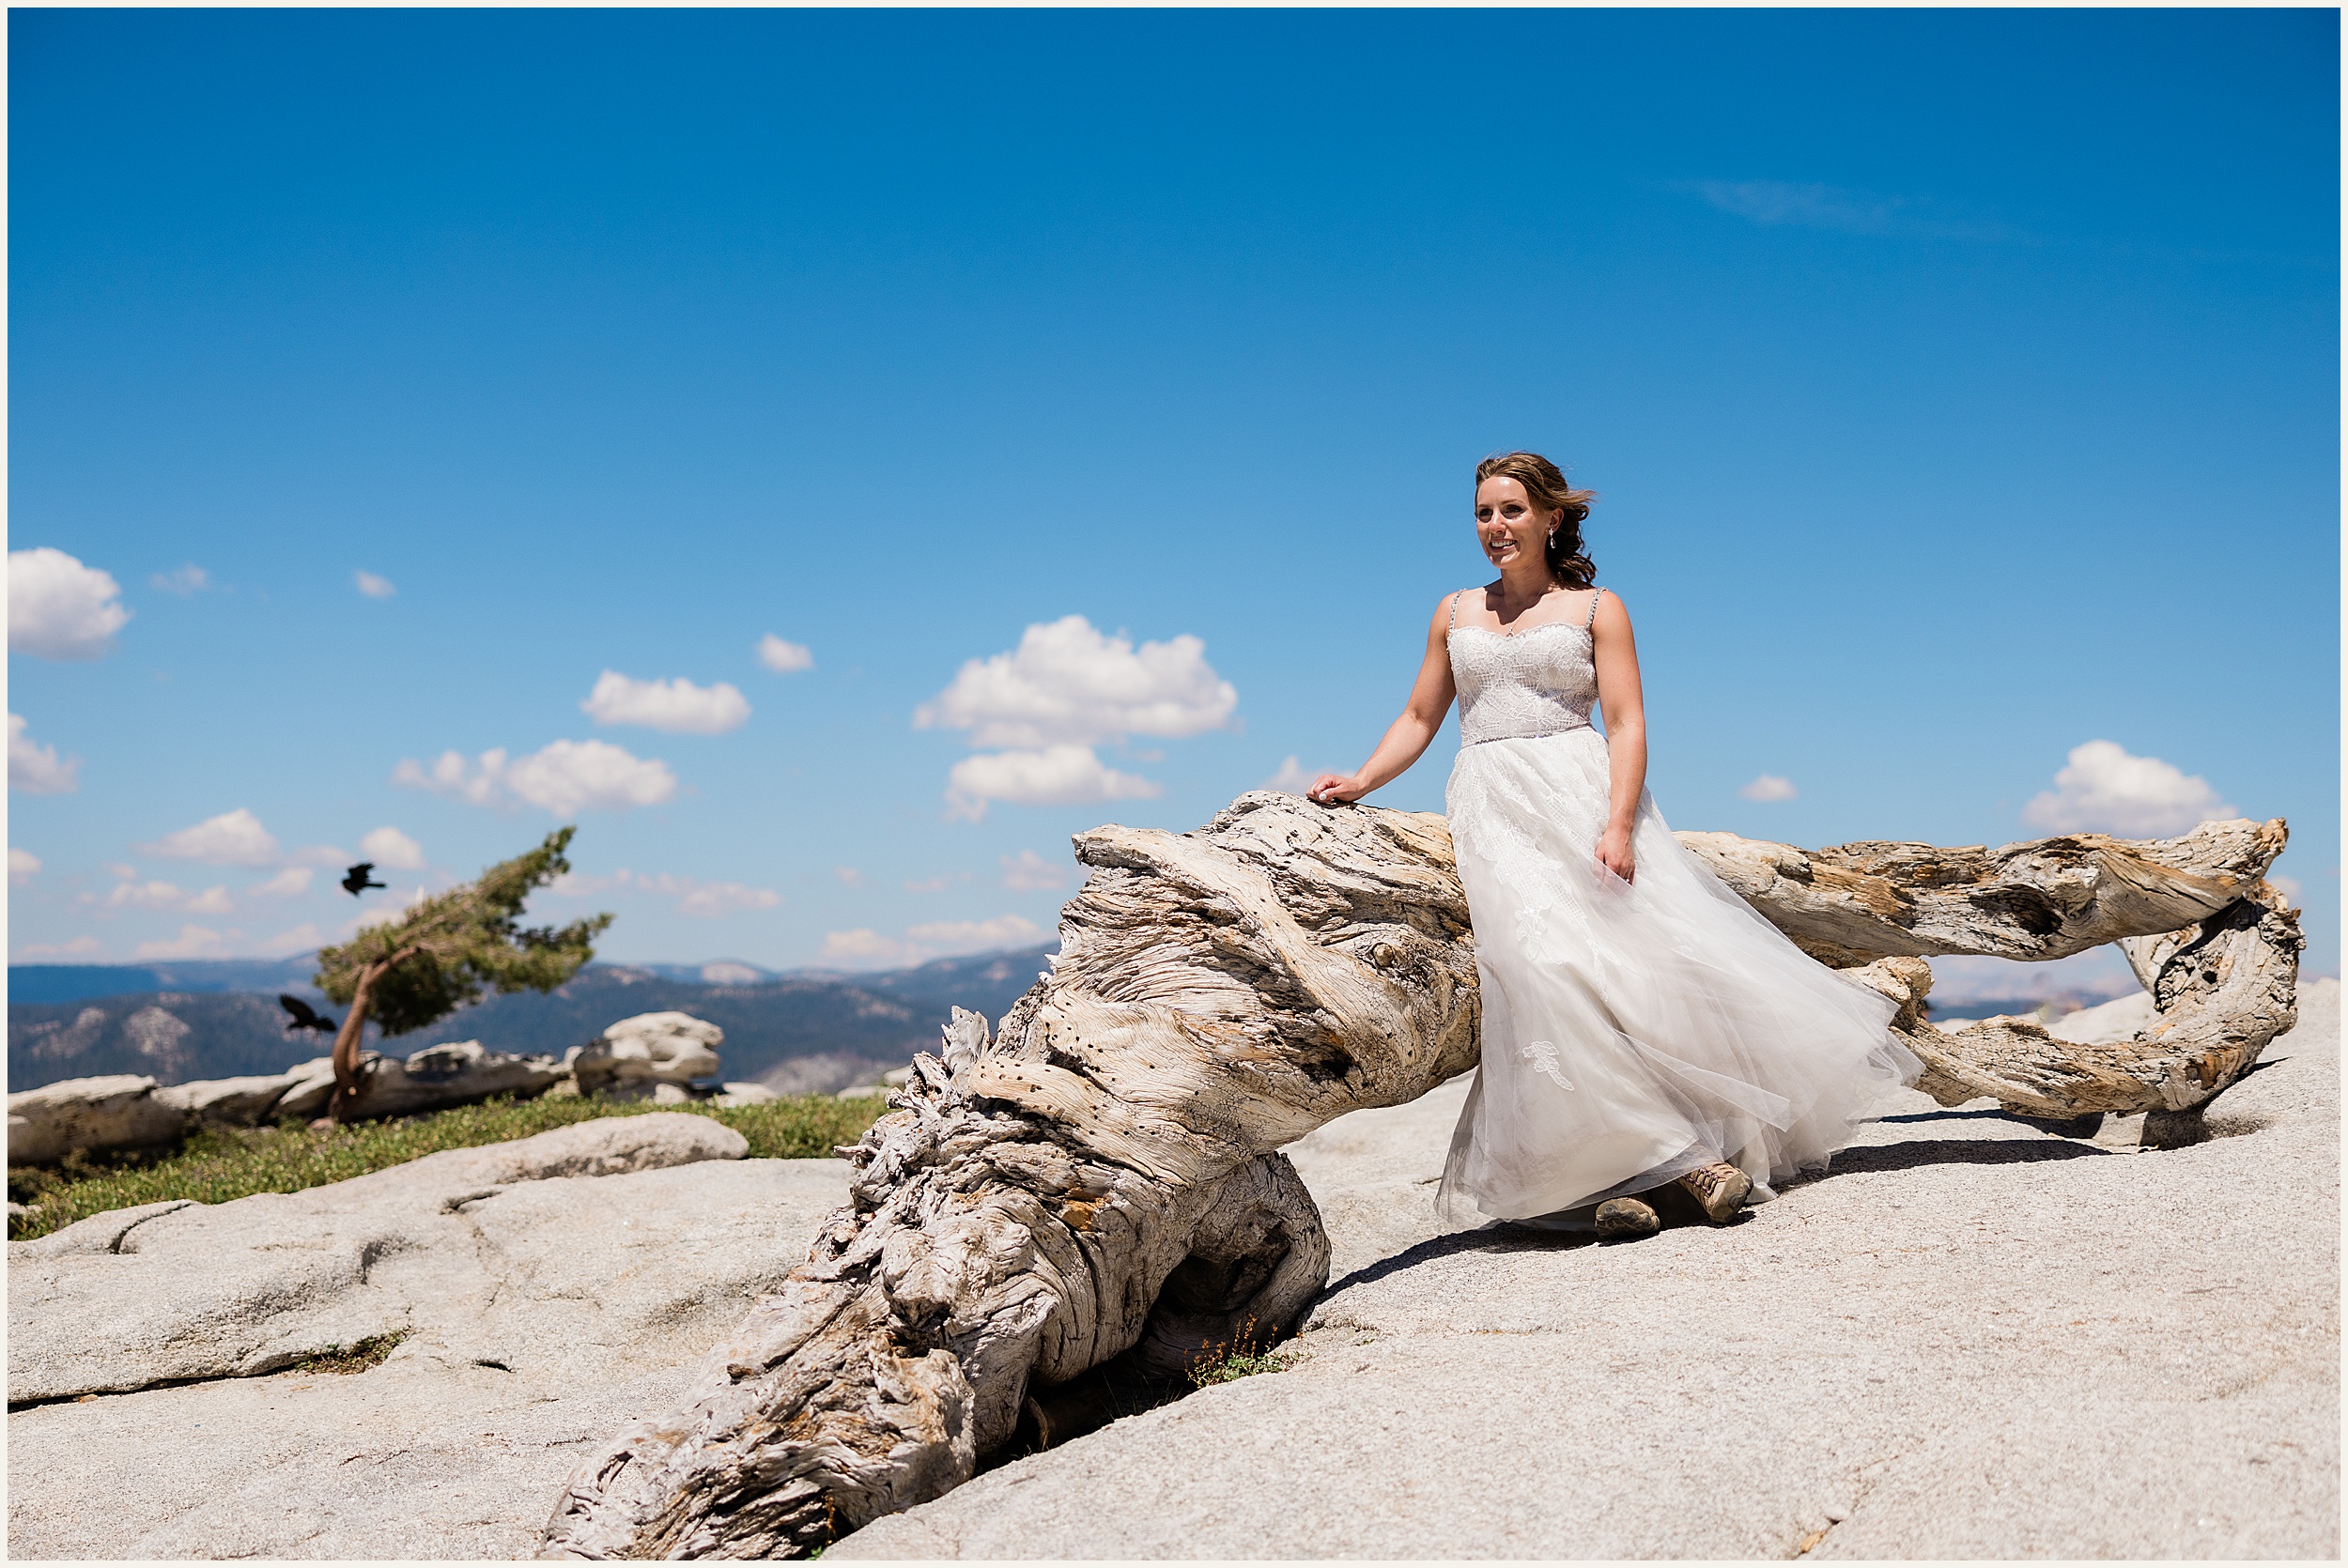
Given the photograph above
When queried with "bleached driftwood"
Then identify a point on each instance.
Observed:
(2044, 899)
(1019, 1214)
(2222, 989)
(1101, 1179)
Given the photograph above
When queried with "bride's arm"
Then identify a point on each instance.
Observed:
(1408, 737)
(1617, 660)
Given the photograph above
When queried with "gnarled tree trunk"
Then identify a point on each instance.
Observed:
(1101, 1179)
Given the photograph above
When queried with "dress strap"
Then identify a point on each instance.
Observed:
(1454, 623)
(1593, 620)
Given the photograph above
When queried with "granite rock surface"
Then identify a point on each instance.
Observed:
(1972, 1338)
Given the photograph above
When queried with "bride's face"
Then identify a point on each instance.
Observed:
(1506, 525)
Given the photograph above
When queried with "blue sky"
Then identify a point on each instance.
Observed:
(1961, 388)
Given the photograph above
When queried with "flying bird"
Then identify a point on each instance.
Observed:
(355, 879)
(303, 1017)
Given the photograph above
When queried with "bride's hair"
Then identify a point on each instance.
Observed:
(1547, 487)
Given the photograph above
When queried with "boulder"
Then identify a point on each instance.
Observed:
(745, 1094)
(177, 1290)
(95, 1114)
(457, 1073)
(234, 1101)
(636, 1054)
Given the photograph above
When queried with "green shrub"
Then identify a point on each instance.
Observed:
(216, 1164)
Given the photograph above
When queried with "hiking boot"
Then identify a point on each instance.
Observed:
(1620, 1217)
(1721, 1189)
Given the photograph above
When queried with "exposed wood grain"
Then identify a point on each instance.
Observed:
(1849, 905)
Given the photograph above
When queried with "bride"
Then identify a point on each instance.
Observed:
(1648, 1039)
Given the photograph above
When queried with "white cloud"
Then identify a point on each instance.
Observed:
(976, 936)
(2287, 886)
(232, 838)
(163, 895)
(184, 581)
(1769, 786)
(24, 866)
(2105, 789)
(1067, 684)
(1029, 872)
(192, 942)
(394, 905)
(59, 609)
(711, 900)
(707, 901)
(849, 876)
(80, 947)
(782, 657)
(1291, 777)
(580, 885)
(35, 769)
(677, 706)
(373, 586)
(450, 775)
(299, 939)
(865, 948)
(292, 881)
(1057, 776)
(388, 846)
(937, 884)
(565, 777)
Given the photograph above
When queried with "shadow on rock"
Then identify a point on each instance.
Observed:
(1956, 1151)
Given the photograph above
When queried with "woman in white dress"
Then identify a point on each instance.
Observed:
(1644, 1028)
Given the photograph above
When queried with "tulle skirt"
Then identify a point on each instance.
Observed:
(1633, 1031)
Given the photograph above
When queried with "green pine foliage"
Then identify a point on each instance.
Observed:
(218, 1164)
(452, 947)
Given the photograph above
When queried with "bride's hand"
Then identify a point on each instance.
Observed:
(1613, 852)
(1332, 789)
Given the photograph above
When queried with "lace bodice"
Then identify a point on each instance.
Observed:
(1514, 685)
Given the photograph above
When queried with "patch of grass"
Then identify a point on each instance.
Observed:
(345, 1360)
(217, 1164)
(1244, 1355)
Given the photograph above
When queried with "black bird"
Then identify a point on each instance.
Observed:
(305, 1019)
(355, 879)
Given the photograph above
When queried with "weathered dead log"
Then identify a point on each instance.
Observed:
(1849, 905)
(2222, 989)
(1099, 1177)
(1102, 1177)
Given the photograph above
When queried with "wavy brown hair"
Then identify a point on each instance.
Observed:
(1545, 485)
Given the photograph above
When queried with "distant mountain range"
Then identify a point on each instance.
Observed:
(797, 1032)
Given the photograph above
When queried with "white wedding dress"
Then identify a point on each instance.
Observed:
(1632, 1031)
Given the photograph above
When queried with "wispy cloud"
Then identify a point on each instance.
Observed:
(1781, 204)
(34, 768)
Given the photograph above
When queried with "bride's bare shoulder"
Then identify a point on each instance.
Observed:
(1609, 613)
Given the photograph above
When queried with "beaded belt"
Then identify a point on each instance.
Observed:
(1537, 735)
